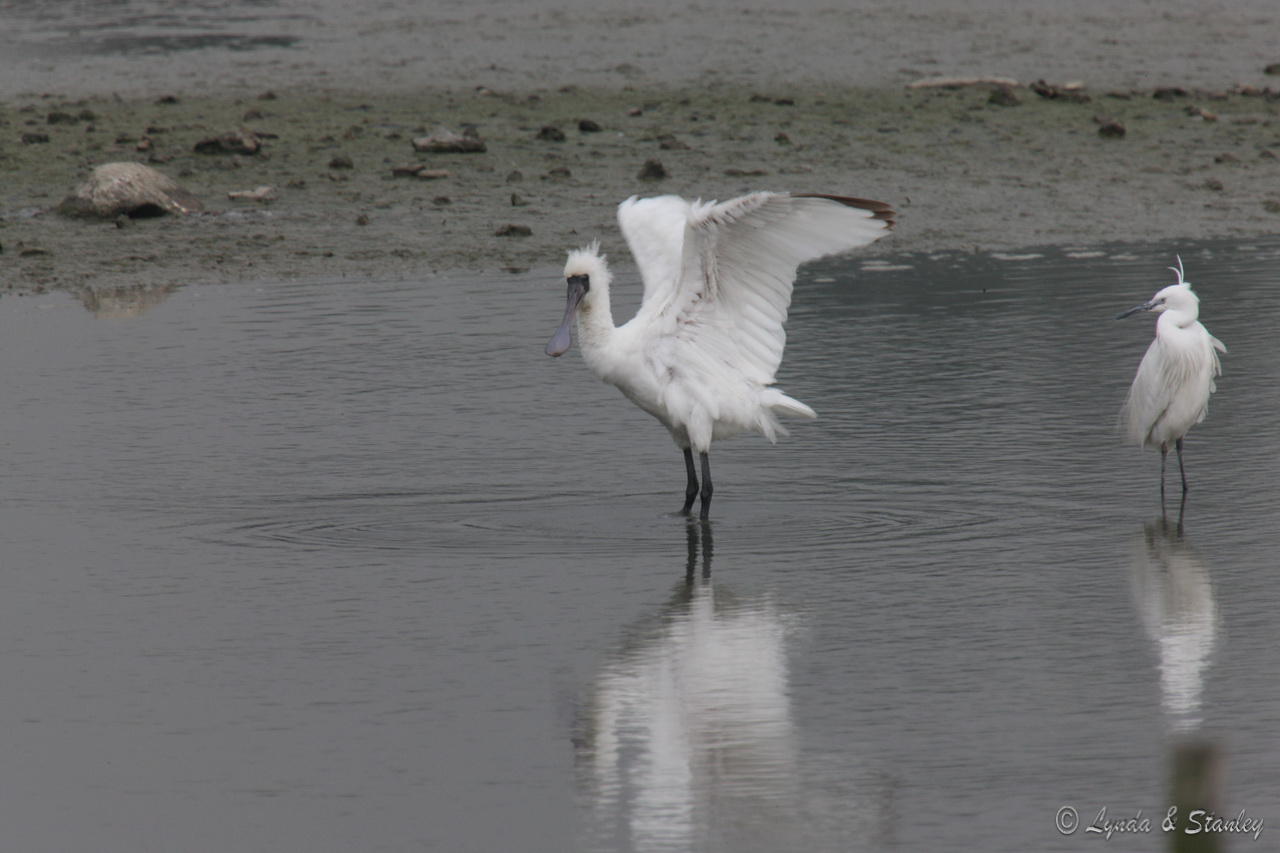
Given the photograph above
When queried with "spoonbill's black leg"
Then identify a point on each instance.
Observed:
(706, 487)
(691, 490)
(1181, 470)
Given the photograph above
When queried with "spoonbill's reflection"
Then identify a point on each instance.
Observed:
(1175, 601)
(688, 740)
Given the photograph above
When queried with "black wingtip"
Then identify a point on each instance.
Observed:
(878, 209)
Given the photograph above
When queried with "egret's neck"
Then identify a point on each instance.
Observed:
(1180, 317)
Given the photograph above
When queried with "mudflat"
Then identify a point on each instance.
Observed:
(1057, 127)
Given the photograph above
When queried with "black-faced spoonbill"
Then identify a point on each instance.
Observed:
(1171, 392)
(701, 353)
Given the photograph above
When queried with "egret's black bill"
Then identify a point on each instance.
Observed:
(562, 339)
(1146, 306)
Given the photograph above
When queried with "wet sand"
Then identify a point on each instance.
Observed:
(335, 124)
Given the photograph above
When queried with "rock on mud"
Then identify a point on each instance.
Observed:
(129, 189)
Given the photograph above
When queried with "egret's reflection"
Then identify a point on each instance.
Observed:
(1174, 596)
(1175, 602)
(688, 740)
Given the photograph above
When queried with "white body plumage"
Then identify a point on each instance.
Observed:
(1170, 393)
(701, 353)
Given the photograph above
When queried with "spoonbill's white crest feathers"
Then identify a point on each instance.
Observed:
(701, 353)
(1170, 393)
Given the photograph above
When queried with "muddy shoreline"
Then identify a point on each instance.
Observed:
(966, 170)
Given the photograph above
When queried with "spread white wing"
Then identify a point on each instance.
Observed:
(726, 299)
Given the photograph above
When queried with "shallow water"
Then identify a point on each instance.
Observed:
(335, 566)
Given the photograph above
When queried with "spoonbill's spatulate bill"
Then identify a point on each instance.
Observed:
(1171, 392)
(701, 353)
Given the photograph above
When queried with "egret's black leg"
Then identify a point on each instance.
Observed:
(706, 487)
(1181, 470)
(690, 490)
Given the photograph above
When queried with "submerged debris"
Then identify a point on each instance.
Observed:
(129, 189)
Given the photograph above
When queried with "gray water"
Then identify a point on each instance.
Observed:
(334, 566)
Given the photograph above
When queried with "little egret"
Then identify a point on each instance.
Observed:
(1171, 392)
(701, 352)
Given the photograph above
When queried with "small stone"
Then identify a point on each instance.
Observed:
(1003, 96)
(1110, 129)
(448, 142)
(586, 125)
(267, 96)
(559, 173)
(514, 231)
(167, 99)
(515, 176)
(442, 200)
(635, 111)
(518, 200)
(1213, 184)
(550, 133)
(1201, 112)
(252, 115)
(263, 193)
(1169, 93)
(652, 170)
(1070, 92)
(668, 142)
(1272, 69)
(236, 142)
(1226, 157)
(782, 139)
(34, 138)
(734, 172)
(420, 171)
(341, 161)
(362, 219)
(1271, 206)
(60, 118)
(1267, 154)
